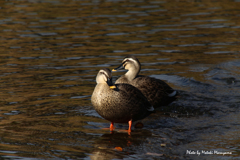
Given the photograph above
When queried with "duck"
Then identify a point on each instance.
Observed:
(118, 103)
(158, 92)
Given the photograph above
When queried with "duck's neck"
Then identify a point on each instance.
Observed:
(131, 74)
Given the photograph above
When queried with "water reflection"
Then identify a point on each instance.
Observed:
(109, 144)
(52, 50)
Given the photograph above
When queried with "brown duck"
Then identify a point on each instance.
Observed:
(156, 91)
(120, 103)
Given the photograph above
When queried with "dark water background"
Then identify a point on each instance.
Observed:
(51, 51)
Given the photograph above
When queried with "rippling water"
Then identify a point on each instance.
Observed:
(51, 52)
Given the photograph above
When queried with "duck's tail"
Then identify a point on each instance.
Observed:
(173, 94)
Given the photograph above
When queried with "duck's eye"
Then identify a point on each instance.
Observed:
(103, 73)
(124, 63)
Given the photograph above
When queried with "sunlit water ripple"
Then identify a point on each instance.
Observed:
(51, 52)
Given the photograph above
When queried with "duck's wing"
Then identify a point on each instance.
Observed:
(135, 96)
(158, 92)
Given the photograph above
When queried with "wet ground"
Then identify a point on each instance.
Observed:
(51, 51)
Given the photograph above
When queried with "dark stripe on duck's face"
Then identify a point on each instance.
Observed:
(109, 80)
(104, 74)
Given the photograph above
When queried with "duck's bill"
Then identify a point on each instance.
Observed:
(118, 68)
(109, 81)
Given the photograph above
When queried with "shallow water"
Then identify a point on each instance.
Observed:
(51, 52)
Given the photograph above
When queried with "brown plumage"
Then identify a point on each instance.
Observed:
(155, 90)
(121, 103)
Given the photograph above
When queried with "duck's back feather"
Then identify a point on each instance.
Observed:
(155, 90)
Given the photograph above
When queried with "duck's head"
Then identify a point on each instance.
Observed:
(130, 63)
(105, 76)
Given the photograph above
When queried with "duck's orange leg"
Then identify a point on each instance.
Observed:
(130, 126)
(111, 126)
